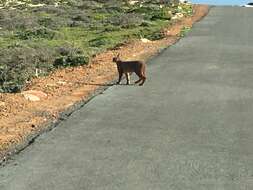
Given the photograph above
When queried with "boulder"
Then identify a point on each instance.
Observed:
(34, 95)
(145, 40)
(2, 104)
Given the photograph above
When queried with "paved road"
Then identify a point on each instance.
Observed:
(189, 128)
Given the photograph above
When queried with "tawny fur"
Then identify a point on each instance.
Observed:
(128, 67)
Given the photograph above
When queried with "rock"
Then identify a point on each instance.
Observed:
(184, 1)
(133, 2)
(56, 4)
(180, 15)
(34, 95)
(62, 82)
(177, 16)
(2, 104)
(51, 85)
(31, 97)
(179, 8)
(36, 5)
(145, 40)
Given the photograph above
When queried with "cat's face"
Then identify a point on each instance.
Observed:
(115, 59)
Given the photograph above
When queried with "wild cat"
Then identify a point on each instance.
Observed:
(128, 67)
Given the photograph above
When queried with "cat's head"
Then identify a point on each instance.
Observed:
(116, 59)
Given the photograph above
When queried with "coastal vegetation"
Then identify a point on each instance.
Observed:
(37, 37)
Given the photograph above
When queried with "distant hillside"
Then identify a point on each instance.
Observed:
(38, 3)
(28, 3)
(37, 37)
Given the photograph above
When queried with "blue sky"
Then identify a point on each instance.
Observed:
(222, 2)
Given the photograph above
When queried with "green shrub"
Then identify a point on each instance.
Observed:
(71, 60)
(111, 28)
(19, 65)
(85, 5)
(100, 41)
(36, 33)
(46, 21)
(53, 22)
(186, 9)
(17, 19)
(50, 9)
(184, 31)
(128, 20)
(47, 2)
(70, 56)
(154, 36)
(162, 13)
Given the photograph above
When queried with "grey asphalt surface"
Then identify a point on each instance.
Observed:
(190, 127)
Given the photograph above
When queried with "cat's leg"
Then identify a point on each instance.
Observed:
(127, 78)
(120, 76)
(142, 78)
(138, 81)
(143, 75)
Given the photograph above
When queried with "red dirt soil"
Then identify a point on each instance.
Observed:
(20, 117)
